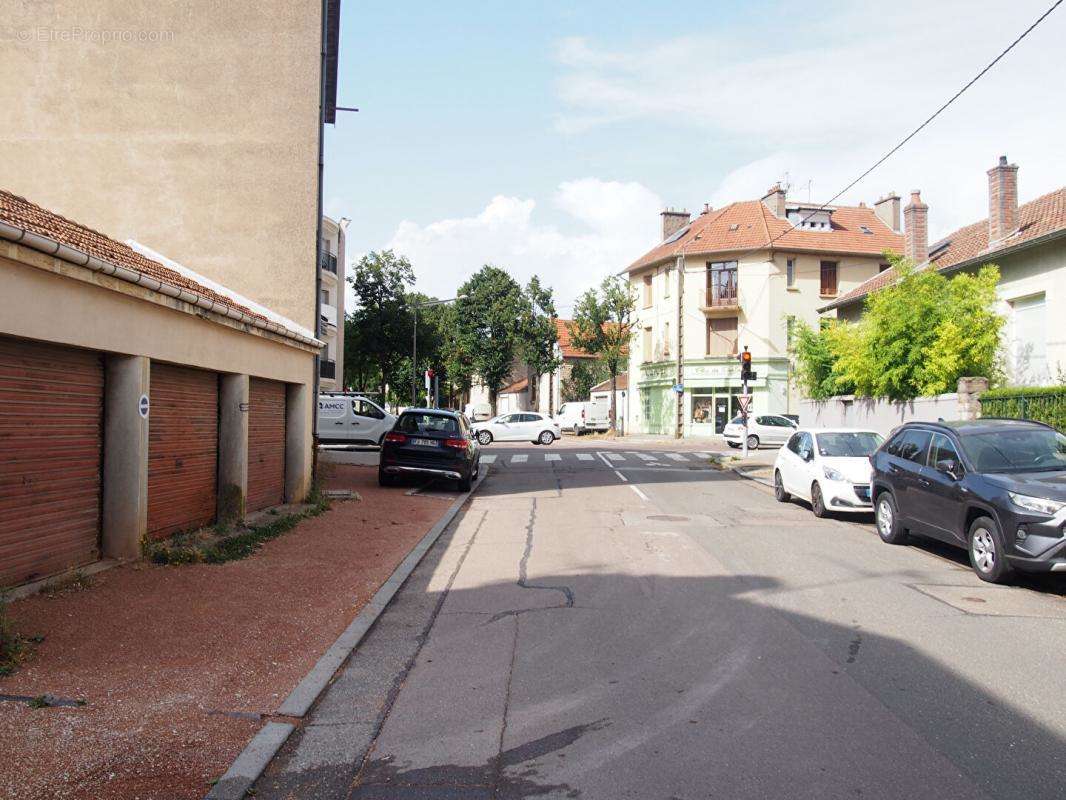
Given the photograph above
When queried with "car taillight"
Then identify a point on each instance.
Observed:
(458, 444)
(397, 438)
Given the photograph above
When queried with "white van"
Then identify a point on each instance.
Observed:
(583, 417)
(352, 419)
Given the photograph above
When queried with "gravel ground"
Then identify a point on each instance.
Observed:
(176, 663)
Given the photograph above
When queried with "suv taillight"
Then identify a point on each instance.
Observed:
(396, 438)
(458, 444)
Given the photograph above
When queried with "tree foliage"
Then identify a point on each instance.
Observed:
(603, 326)
(488, 326)
(917, 337)
(586, 373)
(538, 337)
(381, 321)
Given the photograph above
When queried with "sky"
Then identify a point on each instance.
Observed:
(546, 137)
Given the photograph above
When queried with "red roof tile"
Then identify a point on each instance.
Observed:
(1036, 218)
(562, 331)
(516, 387)
(750, 225)
(21, 213)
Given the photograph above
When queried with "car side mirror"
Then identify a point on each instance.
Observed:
(948, 466)
(806, 455)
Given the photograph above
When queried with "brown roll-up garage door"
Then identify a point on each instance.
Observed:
(182, 449)
(266, 444)
(51, 445)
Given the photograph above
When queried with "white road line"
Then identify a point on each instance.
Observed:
(620, 475)
(677, 456)
(702, 454)
(552, 457)
(644, 456)
(640, 494)
(519, 459)
(488, 459)
(604, 457)
(616, 457)
(585, 457)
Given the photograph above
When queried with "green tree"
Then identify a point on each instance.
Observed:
(584, 374)
(539, 336)
(457, 360)
(603, 326)
(383, 315)
(917, 337)
(488, 318)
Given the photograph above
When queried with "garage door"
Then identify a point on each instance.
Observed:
(182, 449)
(266, 444)
(51, 444)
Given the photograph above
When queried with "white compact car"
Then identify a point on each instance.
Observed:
(767, 429)
(520, 426)
(352, 419)
(830, 468)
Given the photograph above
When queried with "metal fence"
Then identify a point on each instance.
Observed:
(1047, 407)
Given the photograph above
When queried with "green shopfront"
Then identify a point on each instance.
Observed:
(711, 390)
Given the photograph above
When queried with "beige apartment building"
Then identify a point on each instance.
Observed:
(736, 277)
(332, 272)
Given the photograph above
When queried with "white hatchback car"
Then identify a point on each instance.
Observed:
(828, 467)
(520, 426)
(765, 429)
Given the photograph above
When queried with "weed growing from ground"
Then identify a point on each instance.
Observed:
(13, 647)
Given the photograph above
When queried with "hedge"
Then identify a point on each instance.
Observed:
(1042, 403)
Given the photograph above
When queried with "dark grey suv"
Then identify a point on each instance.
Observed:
(995, 487)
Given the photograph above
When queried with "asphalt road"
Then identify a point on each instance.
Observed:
(654, 628)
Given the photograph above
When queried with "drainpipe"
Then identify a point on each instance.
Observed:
(318, 238)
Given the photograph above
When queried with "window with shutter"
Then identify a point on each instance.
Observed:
(829, 278)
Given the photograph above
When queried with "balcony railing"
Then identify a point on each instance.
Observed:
(327, 369)
(328, 262)
(722, 292)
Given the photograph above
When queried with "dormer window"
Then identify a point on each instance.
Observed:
(810, 218)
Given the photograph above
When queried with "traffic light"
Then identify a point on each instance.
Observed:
(745, 365)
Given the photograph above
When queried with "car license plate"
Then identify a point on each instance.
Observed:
(424, 442)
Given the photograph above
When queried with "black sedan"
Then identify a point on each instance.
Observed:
(431, 442)
(994, 486)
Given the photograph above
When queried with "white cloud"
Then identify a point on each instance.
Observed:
(613, 224)
(824, 98)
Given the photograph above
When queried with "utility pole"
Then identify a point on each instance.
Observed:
(679, 427)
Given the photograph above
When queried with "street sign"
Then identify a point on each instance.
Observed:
(679, 388)
(142, 406)
(744, 401)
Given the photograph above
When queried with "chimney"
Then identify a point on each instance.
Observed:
(887, 210)
(774, 199)
(916, 236)
(1002, 200)
(673, 221)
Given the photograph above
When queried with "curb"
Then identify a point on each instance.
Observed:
(255, 757)
(745, 474)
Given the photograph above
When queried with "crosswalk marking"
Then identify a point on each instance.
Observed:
(676, 456)
(552, 457)
(519, 459)
(488, 459)
(615, 456)
(644, 456)
(584, 457)
(701, 454)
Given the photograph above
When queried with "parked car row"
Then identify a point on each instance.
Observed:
(994, 487)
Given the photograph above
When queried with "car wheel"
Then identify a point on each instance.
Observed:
(887, 518)
(986, 551)
(779, 488)
(383, 479)
(817, 501)
(547, 437)
(484, 437)
(734, 445)
(753, 442)
(465, 483)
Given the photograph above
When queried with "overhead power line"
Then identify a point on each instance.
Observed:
(919, 129)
